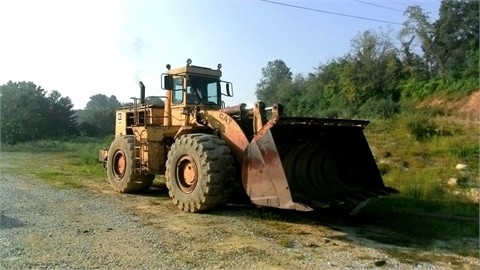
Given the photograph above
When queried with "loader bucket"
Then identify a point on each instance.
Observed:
(307, 163)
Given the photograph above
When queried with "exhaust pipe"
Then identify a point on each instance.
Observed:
(142, 93)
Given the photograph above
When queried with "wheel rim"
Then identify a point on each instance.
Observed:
(187, 174)
(119, 164)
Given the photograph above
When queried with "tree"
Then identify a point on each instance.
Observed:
(372, 70)
(98, 117)
(457, 38)
(276, 75)
(22, 107)
(28, 114)
(418, 27)
(60, 116)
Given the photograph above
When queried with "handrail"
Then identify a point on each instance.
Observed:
(147, 104)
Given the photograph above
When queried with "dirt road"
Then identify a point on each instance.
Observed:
(45, 227)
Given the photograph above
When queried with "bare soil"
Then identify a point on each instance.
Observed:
(468, 107)
(471, 107)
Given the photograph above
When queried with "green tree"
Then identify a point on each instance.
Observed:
(60, 116)
(413, 65)
(288, 93)
(322, 95)
(22, 107)
(98, 117)
(457, 38)
(27, 113)
(418, 27)
(276, 77)
(372, 70)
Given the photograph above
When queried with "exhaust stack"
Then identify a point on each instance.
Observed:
(142, 93)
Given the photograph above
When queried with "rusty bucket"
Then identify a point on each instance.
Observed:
(307, 163)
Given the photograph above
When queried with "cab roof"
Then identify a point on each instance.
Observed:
(190, 69)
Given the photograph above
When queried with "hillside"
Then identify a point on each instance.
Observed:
(466, 107)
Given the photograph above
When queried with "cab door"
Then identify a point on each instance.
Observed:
(178, 101)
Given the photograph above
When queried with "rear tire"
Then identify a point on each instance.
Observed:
(121, 166)
(199, 172)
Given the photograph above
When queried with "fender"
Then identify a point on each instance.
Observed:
(229, 130)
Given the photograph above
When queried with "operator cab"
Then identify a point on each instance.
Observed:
(196, 90)
(195, 86)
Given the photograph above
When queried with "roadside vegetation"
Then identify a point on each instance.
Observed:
(63, 163)
(423, 156)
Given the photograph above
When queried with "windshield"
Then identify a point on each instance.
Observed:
(203, 90)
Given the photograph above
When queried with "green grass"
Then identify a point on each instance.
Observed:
(417, 155)
(419, 161)
(65, 164)
(59, 178)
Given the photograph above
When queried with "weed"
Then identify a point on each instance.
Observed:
(58, 178)
(384, 168)
(286, 242)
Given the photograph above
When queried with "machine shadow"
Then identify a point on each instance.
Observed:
(383, 230)
(157, 190)
(379, 228)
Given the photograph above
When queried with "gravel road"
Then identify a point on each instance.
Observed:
(45, 227)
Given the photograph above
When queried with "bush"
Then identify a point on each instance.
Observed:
(382, 108)
(421, 127)
(332, 113)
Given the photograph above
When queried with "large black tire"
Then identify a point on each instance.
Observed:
(121, 166)
(200, 172)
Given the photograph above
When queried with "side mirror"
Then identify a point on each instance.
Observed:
(167, 82)
(229, 89)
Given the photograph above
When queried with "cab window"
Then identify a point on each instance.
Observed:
(203, 90)
(177, 95)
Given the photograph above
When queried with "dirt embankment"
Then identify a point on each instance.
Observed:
(471, 105)
(468, 107)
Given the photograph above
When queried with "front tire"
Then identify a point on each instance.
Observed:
(199, 172)
(121, 166)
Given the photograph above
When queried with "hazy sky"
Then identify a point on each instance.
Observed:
(82, 48)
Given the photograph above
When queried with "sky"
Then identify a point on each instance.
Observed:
(88, 47)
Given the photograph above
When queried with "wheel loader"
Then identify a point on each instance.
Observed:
(205, 149)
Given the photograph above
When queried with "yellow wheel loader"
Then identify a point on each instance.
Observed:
(205, 149)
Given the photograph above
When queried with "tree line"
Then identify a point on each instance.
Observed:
(29, 113)
(380, 72)
(371, 80)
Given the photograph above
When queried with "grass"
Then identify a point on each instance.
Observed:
(419, 161)
(58, 178)
(417, 155)
(65, 164)
(286, 242)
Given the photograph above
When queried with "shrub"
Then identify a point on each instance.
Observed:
(383, 108)
(421, 127)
